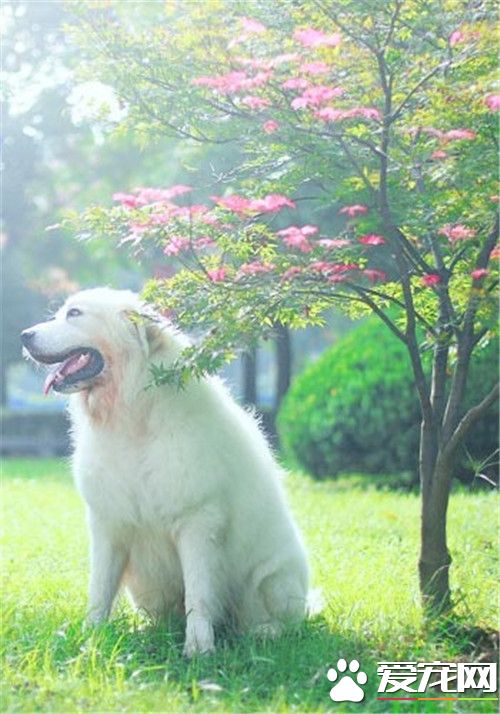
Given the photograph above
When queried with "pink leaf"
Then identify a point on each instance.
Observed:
(291, 272)
(493, 102)
(270, 126)
(459, 135)
(255, 268)
(375, 276)
(456, 37)
(252, 26)
(371, 239)
(295, 83)
(176, 245)
(439, 154)
(314, 68)
(314, 96)
(217, 275)
(331, 114)
(255, 102)
(356, 209)
(270, 204)
(295, 237)
(479, 273)
(431, 280)
(457, 232)
(334, 242)
(233, 81)
(316, 38)
(127, 199)
(235, 203)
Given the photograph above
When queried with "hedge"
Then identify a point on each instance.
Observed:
(356, 408)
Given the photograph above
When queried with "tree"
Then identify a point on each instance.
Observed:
(378, 116)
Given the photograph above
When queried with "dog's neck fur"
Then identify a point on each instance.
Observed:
(122, 390)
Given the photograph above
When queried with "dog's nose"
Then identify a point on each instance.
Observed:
(27, 337)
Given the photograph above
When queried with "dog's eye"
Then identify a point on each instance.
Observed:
(74, 312)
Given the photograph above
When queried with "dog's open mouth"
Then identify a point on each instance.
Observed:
(74, 370)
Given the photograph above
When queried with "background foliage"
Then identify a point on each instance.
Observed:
(383, 111)
(355, 409)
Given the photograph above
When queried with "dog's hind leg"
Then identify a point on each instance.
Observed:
(282, 599)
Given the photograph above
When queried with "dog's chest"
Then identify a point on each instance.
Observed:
(124, 486)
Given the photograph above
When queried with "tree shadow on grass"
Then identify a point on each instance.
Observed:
(470, 641)
(143, 664)
(245, 673)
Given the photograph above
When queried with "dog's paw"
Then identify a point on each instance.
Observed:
(93, 619)
(268, 630)
(199, 637)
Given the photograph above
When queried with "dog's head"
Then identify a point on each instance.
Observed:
(92, 336)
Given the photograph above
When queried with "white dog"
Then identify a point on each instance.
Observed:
(183, 495)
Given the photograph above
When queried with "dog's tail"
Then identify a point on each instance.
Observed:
(315, 602)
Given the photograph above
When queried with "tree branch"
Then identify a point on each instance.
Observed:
(392, 24)
(412, 253)
(349, 33)
(396, 301)
(355, 164)
(400, 258)
(397, 112)
(466, 341)
(468, 420)
(378, 311)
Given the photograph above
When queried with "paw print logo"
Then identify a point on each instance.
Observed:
(347, 688)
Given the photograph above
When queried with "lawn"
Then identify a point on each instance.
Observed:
(363, 546)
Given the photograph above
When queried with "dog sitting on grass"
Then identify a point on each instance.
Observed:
(183, 495)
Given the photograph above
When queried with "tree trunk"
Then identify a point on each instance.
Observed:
(435, 559)
(283, 363)
(249, 376)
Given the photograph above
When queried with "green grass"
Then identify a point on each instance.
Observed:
(363, 546)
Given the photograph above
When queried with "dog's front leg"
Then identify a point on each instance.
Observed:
(199, 557)
(108, 558)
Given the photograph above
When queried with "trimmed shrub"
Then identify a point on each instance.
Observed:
(356, 408)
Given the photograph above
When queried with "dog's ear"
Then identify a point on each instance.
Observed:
(155, 333)
(147, 327)
(133, 321)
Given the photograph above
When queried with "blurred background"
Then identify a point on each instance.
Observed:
(64, 149)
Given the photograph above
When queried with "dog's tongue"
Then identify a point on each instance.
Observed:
(62, 370)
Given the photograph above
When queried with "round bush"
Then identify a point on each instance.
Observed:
(356, 408)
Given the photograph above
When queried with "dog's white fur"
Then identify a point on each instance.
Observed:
(183, 495)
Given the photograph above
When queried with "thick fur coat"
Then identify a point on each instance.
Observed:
(183, 495)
